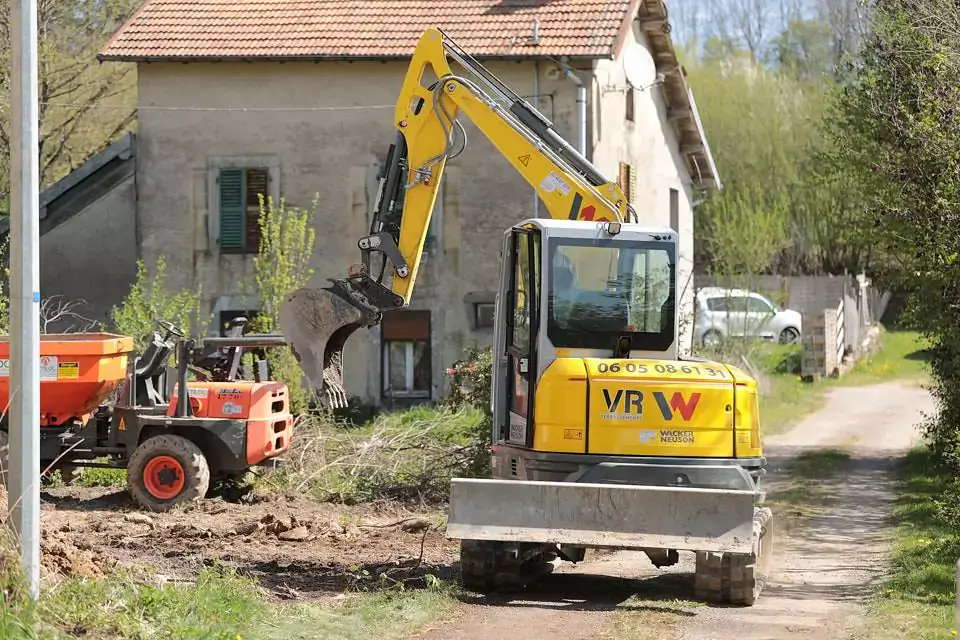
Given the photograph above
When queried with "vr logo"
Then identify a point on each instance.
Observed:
(623, 405)
(677, 404)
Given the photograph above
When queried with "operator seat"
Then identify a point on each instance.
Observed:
(150, 370)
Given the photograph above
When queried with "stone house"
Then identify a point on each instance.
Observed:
(295, 100)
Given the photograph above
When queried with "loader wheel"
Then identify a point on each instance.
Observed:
(165, 471)
(733, 578)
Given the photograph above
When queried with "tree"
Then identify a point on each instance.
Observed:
(894, 131)
(281, 266)
(149, 301)
(83, 105)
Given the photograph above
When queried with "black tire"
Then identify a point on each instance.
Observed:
(789, 336)
(711, 335)
(188, 483)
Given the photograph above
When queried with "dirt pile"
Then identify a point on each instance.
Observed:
(65, 555)
(295, 547)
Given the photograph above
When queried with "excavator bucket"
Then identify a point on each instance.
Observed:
(316, 324)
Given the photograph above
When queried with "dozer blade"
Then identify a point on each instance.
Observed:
(316, 323)
(602, 515)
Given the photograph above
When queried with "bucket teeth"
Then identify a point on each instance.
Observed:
(316, 323)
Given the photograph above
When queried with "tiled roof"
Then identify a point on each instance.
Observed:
(323, 29)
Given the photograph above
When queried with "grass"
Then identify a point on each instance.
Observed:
(786, 398)
(406, 456)
(917, 601)
(807, 494)
(220, 605)
(387, 615)
(901, 355)
(637, 619)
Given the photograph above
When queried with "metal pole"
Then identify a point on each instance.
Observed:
(24, 489)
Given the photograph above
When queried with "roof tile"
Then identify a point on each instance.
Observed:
(191, 29)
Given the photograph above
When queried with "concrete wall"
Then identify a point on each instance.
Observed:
(649, 144)
(93, 255)
(335, 154)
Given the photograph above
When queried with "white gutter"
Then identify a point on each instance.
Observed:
(581, 109)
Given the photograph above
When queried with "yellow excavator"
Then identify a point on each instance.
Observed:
(603, 436)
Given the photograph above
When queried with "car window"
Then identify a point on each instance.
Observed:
(736, 304)
(757, 305)
(717, 304)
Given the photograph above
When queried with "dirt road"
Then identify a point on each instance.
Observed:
(823, 568)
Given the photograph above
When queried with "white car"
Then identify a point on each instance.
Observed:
(721, 313)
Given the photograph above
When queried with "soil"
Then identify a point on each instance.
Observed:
(296, 548)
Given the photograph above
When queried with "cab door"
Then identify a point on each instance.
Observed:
(522, 319)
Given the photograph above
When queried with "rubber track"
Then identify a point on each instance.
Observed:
(734, 578)
(487, 566)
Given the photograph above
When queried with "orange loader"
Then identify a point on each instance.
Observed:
(97, 403)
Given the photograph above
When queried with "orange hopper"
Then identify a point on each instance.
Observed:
(77, 372)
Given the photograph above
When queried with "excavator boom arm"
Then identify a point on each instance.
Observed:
(317, 322)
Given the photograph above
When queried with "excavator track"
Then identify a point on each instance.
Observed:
(735, 578)
(487, 566)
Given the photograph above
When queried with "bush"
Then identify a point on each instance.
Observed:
(150, 301)
(408, 456)
(281, 266)
(471, 378)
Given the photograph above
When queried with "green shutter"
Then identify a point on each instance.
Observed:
(232, 209)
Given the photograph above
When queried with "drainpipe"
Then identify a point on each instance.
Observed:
(581, 109)
(536, 105)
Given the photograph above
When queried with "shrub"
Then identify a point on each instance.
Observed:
(408, 456)
(150, 301)
(281, 266)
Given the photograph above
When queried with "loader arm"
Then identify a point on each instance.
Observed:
(317, 322)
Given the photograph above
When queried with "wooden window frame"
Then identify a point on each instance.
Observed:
(215, 164)
(408, 335)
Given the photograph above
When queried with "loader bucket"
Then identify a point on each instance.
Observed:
(316, 324)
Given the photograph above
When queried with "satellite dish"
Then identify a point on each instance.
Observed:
(638, 66)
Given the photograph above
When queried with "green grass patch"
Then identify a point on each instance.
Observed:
(388, 615)
(220, 605)
(786, 398)
(807, 494)
(917, 601)
(901, 355)
(102, 477)
(818, 464)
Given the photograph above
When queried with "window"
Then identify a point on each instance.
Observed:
(600, 292)
(630, 104)
(483, 315)
(406, 358)
(717, 304)
(758, 305)
(240, 191)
